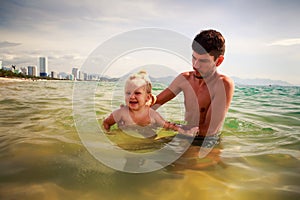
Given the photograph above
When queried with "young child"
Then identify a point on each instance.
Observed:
(137, 114)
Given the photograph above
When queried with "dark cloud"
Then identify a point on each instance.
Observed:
(8, 44)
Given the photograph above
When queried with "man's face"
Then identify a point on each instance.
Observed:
(203, 64)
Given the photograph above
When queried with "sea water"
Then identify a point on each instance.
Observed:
(42, 155)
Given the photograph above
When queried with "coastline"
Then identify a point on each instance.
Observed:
(16, 79)
(13, 79)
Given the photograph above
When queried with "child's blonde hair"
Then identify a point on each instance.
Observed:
(142, 75)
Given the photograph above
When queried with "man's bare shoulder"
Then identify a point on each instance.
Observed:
(226, 80)
(187, 74)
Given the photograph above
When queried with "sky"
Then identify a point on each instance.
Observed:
(262, 36)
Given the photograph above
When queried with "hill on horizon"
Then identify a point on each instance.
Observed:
(238, 81)
(259, 81)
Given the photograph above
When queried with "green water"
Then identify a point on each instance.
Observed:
(42, 156)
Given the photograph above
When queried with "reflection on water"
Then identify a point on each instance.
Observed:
(42, 156)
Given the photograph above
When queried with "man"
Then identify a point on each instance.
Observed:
(207, 93)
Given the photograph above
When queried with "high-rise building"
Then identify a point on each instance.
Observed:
(54, 74)
(32, 71)
(24, 70)
(43, 65)
(75, 73)
(70, 77)
(85, 76)
(81, 76)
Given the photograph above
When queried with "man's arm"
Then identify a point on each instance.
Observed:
(218, 109)
(170, 92)
(162, 98)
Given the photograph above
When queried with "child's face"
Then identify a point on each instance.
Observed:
(136, 95)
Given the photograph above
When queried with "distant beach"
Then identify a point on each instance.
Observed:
(14, 79)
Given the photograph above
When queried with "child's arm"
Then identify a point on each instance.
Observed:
(175, 127)
(108, 122)
(113, 118)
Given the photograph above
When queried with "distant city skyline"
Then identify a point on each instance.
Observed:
(262, 37)
(165, 77)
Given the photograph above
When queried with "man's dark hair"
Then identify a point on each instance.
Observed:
(209, 41)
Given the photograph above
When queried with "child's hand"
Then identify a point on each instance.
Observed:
(110, 132)
(106, 130)
(190, 132)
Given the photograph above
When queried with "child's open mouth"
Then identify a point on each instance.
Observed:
(133, 102)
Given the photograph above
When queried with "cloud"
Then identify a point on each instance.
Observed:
(68, 31)
(8, 44)
(286, 42)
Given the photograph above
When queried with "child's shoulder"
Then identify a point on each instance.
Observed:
(120, 113)
(122, 109)
(153, 113)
